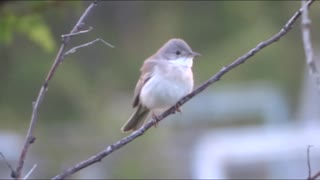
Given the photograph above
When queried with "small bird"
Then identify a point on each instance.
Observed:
(165, 78)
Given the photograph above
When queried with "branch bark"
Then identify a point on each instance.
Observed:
(315, 176)
(30, 138)
(113, 147)
(307, 44)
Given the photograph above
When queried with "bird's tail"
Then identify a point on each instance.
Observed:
(137, 119)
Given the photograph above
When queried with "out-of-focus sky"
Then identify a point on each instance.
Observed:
(89, 97)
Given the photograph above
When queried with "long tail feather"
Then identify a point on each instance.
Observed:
(137, 119)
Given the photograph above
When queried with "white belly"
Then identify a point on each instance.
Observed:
(163, 91)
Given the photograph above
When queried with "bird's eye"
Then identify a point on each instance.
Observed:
(178, 52)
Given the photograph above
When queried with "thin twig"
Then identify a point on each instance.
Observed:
(77, 33)
(7, 163)
(314, 177)
(74, 49)
(98, 157)
(308, 161)
(35, 106)
(307, 44)
(30, 172)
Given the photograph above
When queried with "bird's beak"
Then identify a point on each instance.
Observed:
(194, 54)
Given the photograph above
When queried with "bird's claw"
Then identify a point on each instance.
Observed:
(155, 120)
(177, 108)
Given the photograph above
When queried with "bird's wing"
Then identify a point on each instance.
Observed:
(146, 74)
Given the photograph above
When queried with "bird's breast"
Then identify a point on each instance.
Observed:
(166, 87)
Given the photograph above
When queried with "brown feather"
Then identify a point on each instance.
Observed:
(146, 73)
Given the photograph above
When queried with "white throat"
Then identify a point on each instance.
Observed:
(185, 62)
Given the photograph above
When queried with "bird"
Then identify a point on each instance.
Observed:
(165, 78)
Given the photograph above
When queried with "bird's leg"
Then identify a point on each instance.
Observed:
(177, 108)
(155, 119)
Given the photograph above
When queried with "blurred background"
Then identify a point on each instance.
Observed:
(256, 122)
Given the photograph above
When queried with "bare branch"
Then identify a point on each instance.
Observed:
(314, 177)
(77, 33)
(8, 164)
(35, 106)
(307, 43)
(98, 157)
(308, 161)
(30, 172)
(74, 49)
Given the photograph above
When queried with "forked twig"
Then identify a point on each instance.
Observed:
(35, 105)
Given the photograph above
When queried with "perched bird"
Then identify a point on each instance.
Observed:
(165, 78)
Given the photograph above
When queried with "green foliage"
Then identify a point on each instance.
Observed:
(36, 30)
(31, 25)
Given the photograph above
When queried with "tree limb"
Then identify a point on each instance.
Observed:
(35, 105)
(315, 176)
(307, 44)
(98, 157)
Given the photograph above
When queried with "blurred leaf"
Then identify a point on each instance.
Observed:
(34, 27)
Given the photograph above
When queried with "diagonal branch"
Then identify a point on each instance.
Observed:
(7, 163)
(30, 172)
(315, 176)
(35, 105)
(98, 157)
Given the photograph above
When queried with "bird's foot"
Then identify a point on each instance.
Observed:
(155, 120)
(177, 108)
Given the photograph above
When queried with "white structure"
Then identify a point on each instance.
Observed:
(282, 150)
(276, 149)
